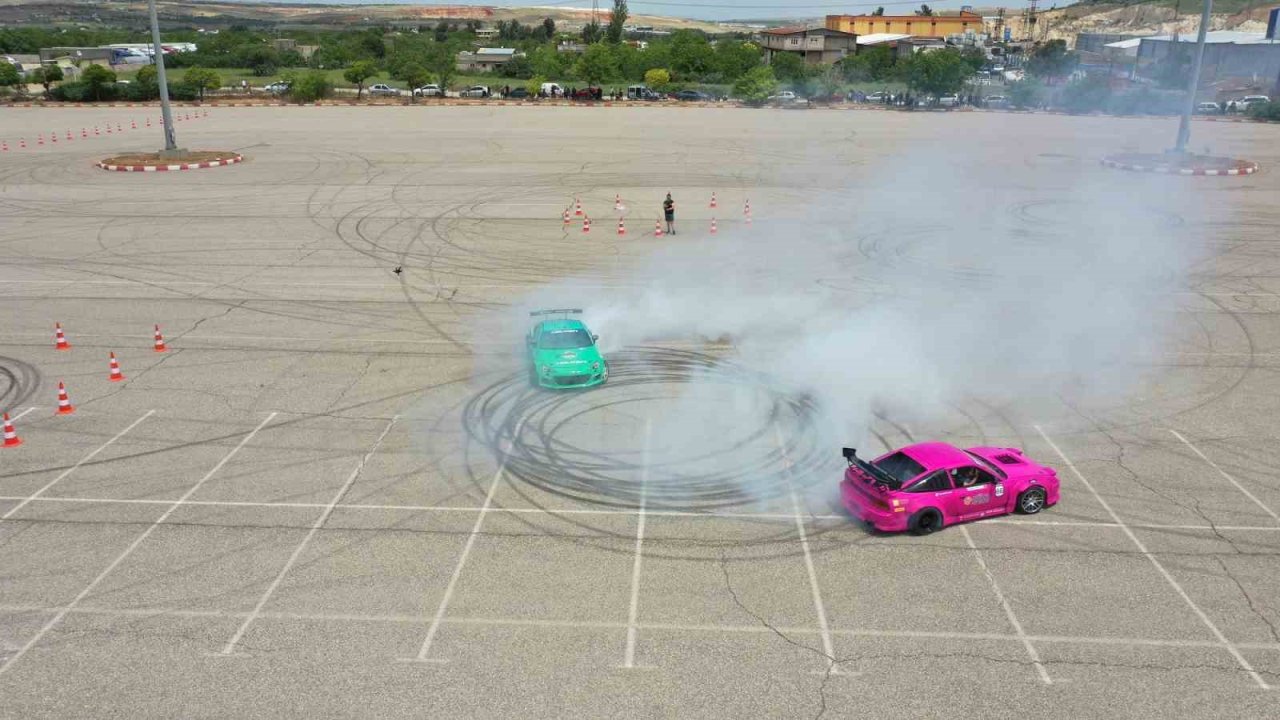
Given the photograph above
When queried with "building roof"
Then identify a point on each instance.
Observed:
(1213, 36)
(495, 52)
(963, 14)
(881, 38)
(798, 30)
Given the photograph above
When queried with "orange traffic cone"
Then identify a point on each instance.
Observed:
(566, 216)
(4, 146)
(713, 226)
(116, 375)
(119, 127)
(84, 132)
(69, 135)
(747, 212)
(40, 139)
(657, 228)
(59, 340)
(622, 229)
(148, 121)
(53, 137)
(617, 202)
(95, 130)
(64, 402)
(577, 210)
(108, 128)
(22, 143)
(160, 341)
(11, 438)
(586, 224)
(133, 124)
(713, 201)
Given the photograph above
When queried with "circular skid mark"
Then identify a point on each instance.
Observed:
(675, 454)
(18, 381)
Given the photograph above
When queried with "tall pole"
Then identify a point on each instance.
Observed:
(170, 140)
(1184, 125)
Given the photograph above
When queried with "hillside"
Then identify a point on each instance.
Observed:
(1142, 19)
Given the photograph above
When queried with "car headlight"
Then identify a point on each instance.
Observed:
(546, 369)
(595, 366)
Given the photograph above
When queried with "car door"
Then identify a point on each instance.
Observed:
(977, 492)
(935, 490)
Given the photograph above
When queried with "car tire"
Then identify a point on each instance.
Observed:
(925, 522)
(1032, 500)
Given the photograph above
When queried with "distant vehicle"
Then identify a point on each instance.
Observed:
(927, 486)
(587, 93)
(877, 97)
(475, 91)
(552, 89)
(1208, 108)
(692, 95)
(562, 352)
(949, 101)
(518, 93)
(1249, 101)
(277, 88)
(784, 96)
(641, 92)
(996, 101)
(383, 89)
(428, 91)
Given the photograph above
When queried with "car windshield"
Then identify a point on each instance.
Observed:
(900, 467)
(564, 340)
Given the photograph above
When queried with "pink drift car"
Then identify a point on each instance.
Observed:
(928, 486)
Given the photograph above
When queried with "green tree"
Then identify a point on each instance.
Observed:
(592, 32)
(441, 31)
(201, 79)
(358, 73)
(96, 78)
(9, 76)
(261, 59)
(937, 73)
(1088, 94)
(735, 57)
(414, 75)
(830, 79)
(788, 67)
(549, 27)
(878, 12)
(756, 85)
(517, 67)
(690, 54)
(549, 62)
(47, 75)
(311, 86)
(596, 65)
(617, 20)
(974, 56)
(1051, 60)
(874, 63)
(924, 10)
(443, 61)
(657, 78)
(1024, 94)
(534, 85)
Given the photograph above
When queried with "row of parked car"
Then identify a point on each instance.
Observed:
(1235, 105)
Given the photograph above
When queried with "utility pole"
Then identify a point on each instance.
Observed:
(170, 139)
(1184, 125)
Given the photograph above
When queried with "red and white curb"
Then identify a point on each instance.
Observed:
(1245, 170)
(164, 168)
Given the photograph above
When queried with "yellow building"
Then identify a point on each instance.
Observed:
(918, 25)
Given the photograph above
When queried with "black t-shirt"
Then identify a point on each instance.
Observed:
(669, 207)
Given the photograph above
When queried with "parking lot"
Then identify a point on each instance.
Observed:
(319, 501)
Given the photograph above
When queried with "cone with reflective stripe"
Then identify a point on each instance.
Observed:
(119, 127)
(586, 224)
(617, 202)
(53, 137)
(116, 375)
(622, 229)
(148, 121)
(69, 135)
(4, 146)
(59, 340)
(566, 217)
(11, 438)
(40, 139)
(657, 228)
(84, 132)
(713, 226)
(577, 209)
(747, 212)
(95, 130)
(108, 128)
(133, 124)
(64, 402)
(713, 201)
(22, 143)
(160, 341)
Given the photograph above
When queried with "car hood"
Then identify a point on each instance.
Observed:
(568, 357)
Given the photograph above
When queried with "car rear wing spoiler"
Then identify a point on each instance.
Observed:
(875, 473)
(560, 311)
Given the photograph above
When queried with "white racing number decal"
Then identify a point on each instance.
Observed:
(999, 489)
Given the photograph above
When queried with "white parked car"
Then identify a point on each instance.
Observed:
(475, 91)
(428, 91)
(383, 89)
(277, 88)
(784, 96)
(949, 101)
(1208, 108)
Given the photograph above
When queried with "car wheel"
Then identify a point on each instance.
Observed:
(926, 521)
(1031, 501)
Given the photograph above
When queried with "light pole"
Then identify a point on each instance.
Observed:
(1184, 125)
(171, 149)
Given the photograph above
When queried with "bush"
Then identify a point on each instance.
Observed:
(1089, 94)
(1265, 111)
(756, 85)
(81, 91)
(311, 86)
(1025, 94)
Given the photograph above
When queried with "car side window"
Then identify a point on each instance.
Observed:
(932, 483)
(969, 476)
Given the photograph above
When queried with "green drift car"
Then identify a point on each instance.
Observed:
(563, 353)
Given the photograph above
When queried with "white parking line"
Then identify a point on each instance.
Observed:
(828, 647)
(18, 417)
(629, 656)
(62, 612)
(73, 468)
(297, 552)
(1008, 610)
(462, 559)
(1224, 474)
(1142, 548)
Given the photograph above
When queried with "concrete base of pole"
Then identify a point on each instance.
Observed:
(174, 154)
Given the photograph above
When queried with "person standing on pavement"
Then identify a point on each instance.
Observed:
(669, 211)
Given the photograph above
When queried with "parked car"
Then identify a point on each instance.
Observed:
(1208, 108)
(784, 96)
(949, 101)
(551, 89)
(277, 88)
(692, 96)
(877, 97)
(475, 91)
(1249, 101)
(518, 93)
(996, 101)
(383, 89)
(641, 92)
(428, 91)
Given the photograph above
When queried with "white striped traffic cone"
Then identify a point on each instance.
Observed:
(160, 347)
(64, 402)
(617, 202)
(11, 438)
(713, 201)
(657, 228)
(713, 226)
(577, 209)
(116, 375)
(586, 224)
(566, 216)
(622, 229)
(59, 340)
